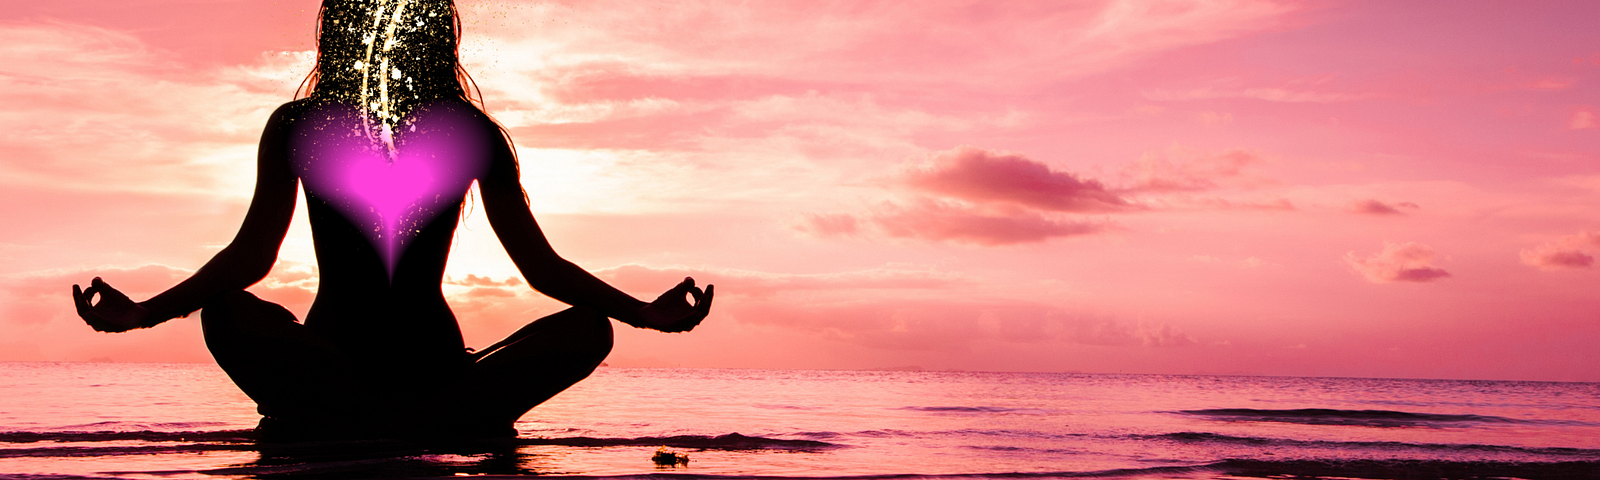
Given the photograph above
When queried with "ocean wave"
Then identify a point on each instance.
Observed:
(884, 433)
(117, 451)
(1441, 469)
(137, 426)
(1015, 434)
(1367, 418)
(1029, 450)
(120, 435)
(965, 409)
(83, 444)
(1389, 446)
(732, 441)
(1368, 469)
(1162, 472)
(773, 406)
(961, 409)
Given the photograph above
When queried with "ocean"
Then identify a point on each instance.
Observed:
(175, 421)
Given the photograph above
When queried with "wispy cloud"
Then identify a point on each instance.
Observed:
(955, 325)
(942, 221)
(1583, 119)
(745, 282)
(1399, 262)
(1563, 253)
(1374, 207)
(1286, 95)
(1180, 170)
(87, 106)
(984, 176)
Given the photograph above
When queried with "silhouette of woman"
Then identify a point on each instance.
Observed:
(386, 144)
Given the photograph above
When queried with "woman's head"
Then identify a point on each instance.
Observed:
(388, 55)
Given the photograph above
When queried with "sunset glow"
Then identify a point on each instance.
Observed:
(1375, 189)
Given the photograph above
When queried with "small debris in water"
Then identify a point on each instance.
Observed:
(668, 458)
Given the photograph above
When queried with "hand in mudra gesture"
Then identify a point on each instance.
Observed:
(672, 312)
(114, 313)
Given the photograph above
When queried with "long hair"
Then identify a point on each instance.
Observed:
(355, 62)
(335, 12)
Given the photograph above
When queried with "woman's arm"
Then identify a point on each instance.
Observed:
(547, 272)
(245, 261)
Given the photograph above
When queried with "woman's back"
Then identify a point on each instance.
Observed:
(383, 215)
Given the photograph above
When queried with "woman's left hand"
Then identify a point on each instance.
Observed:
(671, 312)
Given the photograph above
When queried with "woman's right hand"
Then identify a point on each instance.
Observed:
(114, 313)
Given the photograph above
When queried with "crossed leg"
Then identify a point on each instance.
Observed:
(535, 363)
(295, 376)
(312, 389)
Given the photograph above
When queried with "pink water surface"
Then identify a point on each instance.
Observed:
(873, 423)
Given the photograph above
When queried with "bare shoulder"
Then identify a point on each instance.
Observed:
(468, 116)
(293, 110)
(477, 127)
(276, 145)
(279, 123)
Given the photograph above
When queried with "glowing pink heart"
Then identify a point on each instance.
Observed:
(440, 149)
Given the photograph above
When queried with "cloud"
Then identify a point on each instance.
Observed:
(1374, 207)
(1213, 203)
(641, 278)
(855, 43)
(943, 221)
(1300, 90)
(945, 324)
(1554, 259)
(925, 325)
(472, 280)
(622, 75)
(1547, 83)
(1583, 119)
(489, 309)
(801, 86)
(1564, 253)
(290, 284)
(1247, 262)
(1399, 262)
(1182, 178)
(891, 309)
(829, 224)
(952, 222)
(1159, 173)
(982, 197)
(67, 83)
(1181, 170)
(1127, 27)
(1121, 334)
(1214, 118)
(1267, 94)
(983, 176)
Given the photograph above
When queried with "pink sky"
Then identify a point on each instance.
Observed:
(1390, 189)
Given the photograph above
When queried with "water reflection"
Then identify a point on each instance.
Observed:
(826, 423)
